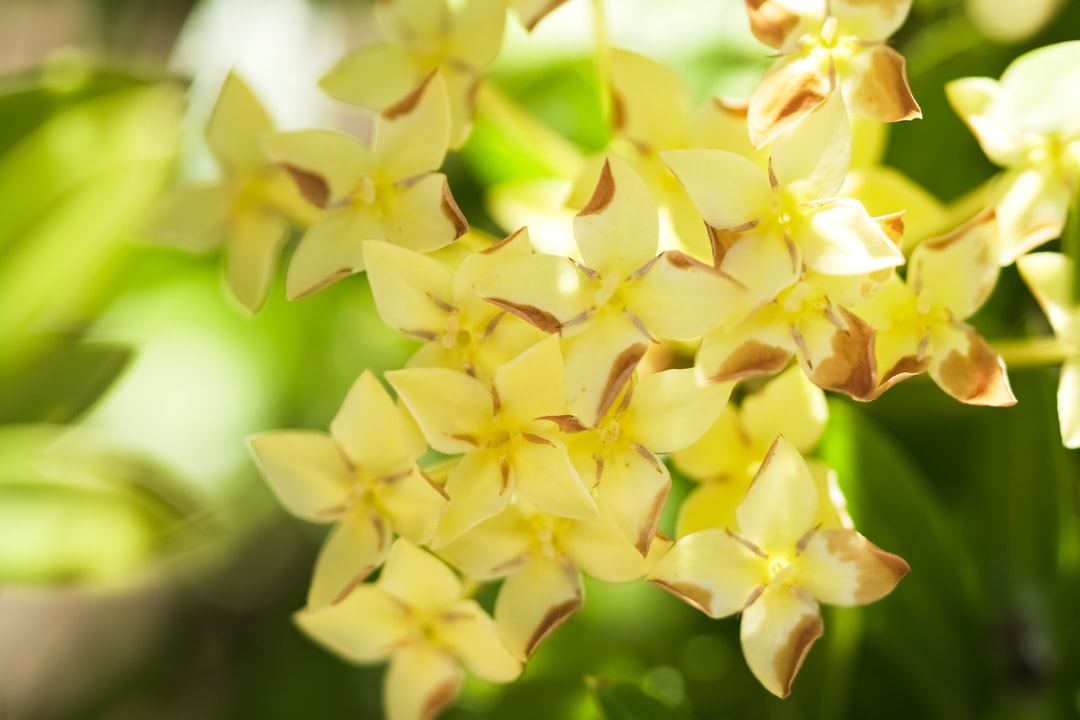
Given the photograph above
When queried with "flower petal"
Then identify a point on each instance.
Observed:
(680, 298)
(326, 164)
(236, 125)
(811, 160)
(479, 488)
(531, 385)
(418, 578)
(977, 101)
(376, 76)
(760, 345)
(791, 89)
(193, 217)
(306, 470)
(532, 12)
(870, 19)
(468, 632)
(544, 290)
(840, 238)
(650, 106)
(876, 86)
(671, 410)
(1032, 210)
(534, 601)
(712, 505)
(422, 682)
(412, 138)
(450, 407)
(1049, 276)
(1068, 397)
(354, 548)
(368, 428)
(719, 452)
(839, 566)
(331, 249)
(413, 292)
(728, 189)
(423, 216)
(367, 626)
(543, 474)
(963, 365)
(633, 490)
(413, 504)
(777, 631)
(780, 506)
(711, 570)
(478, 32)
(764, 264)
(780, 23)
(836, 349)
(255, 242)
(599, 549)
(599, 363)
(958, 270)
(494, 548)
(617, 230)
(790, 405)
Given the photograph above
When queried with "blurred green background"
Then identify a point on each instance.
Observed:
(147, 572)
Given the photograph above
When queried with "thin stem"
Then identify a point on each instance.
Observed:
(1033, 351)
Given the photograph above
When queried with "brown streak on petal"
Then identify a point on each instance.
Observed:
(531, 21)
(530, 314)
(425, 335)
(852, 368)
(882, 92)
(647, 531)
(618, 112)
(735, 108)
(770, 22)
(940, 243)
(693, 595)
(568, 424)
(491, 249)
(645, 453)
(440, 303)
(406, 104)
(750, 359)
(904, 368)
(721, 240)
(490, 327)
(556, 615)
(496, 401)
(537, 440)
(739, 538)
(436, 486)
(453, 213)
(504, 471)
(327, 281)
(312, 186)
(439, 699)
(619, 374)
(789, 658)
(466, 438)
(877, 571)
(782, 99)
(603, 195)
(893, 227)
(977, 378)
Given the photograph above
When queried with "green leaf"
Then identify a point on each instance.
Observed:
(626, 701)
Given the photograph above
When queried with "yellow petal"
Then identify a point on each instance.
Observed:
(306, 470)
(780, 23)
(450, 407)
(720, 451)
(812, 158)
(964, 366)
(711, 570)
(840, 238)
(416, 21)
(418, 579)
(633, 490)
(650, 105)
(255, 242)
(792, 88)
(532, 12)
(331, 249)
(760, 345)
(413, 139)
(327, 165)
(534, 601)
(763, 264)
(671, 410)
(873, 20)
(977, 100)
(599, 363)
(479, 488)
(543, 474)
(680, 298)
(376, 76)
(544, 290)
(478, 266)
(836, 349)
(728, 189)
(841, 567)
(413, 504)
(617, 230)
(367, 626)
(478, 32)
(236, 126)
(494, 548)
(958, 270)
(412, 292)
(423, 216)
(470, 634)
(599, 549)
(712, 505)
(422, 682)
(368, 428)
(1068, 397)
(780, 506)
(531, 385)
(354, 548)
(882, 190)
(193, 217)
(876, 86)
(777, 631)
(1049, 276)
(1032, 210)
(790, 405)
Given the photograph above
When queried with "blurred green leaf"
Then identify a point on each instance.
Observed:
(626, 701)
(63, 384)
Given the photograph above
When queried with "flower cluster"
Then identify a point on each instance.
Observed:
(709, 248)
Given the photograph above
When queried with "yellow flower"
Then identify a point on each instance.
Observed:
(774, 566)
(389, 191)
(827, 46)
(363, 476)
(417, 616)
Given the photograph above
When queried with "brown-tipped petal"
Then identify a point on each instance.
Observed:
(422, 681)
(777, 631)
(760, 345)
(773, 23)
(366, 626)
(617, 230)
(474, 638)
(713, 571)
(787, 93)
(964, 366)
(877, 86)
(534, 601)
(958, 269)
(531, 12)
(633, 490)
(355, 547)
(251, 256)
(680, 298)
(841, 567)
(837, 351)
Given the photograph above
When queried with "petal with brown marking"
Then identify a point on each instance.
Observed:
(534, 601)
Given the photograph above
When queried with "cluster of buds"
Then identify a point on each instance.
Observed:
(709, 248)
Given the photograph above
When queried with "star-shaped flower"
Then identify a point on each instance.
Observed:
(388, 191)
(828, 46)
(774, 566)
(417, 616)
(363, 476)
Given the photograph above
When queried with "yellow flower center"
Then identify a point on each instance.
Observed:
(781, 571)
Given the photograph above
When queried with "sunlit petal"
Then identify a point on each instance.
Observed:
(812, 159)
(544, 290)
(633, 490)
(780, 506)
(256, 240)
(760, 345)
(681, 298)
(841, 567)
(876, 86)
(331, 249)
(449, 406)
(671, 410)
(958, 270)
(376, 75)
(964, 366)
(531, 385)
(236, 125)
(873, 20)
(468, 632)
(421, 682)
(728, 189)
(840, 238)
(777, 631)
(366, 626)
(617, 230)
(327, 165)
(1032, 210)
(354, 548)
(1068, 397)
(306, 470)
(478, 32)
(412, 291)
(650, 105)
(599, 363)
(413, 140)
(712, 505)
(790, 405)
(423, 216)
(543, 474)
(1050, 279)
(534, 601)
(791, 89)
(417, 578)
(713, 571)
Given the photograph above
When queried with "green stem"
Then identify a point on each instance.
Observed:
(561, 156)
(1033, 351)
